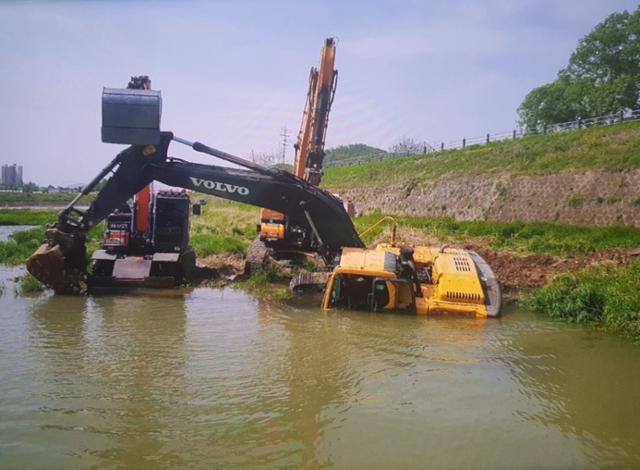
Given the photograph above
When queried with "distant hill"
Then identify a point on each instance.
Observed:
(346, 152)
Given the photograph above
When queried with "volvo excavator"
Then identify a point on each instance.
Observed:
(388, 278)
(285, 236)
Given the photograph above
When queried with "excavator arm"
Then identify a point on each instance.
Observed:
(60, 262)
(315, 119)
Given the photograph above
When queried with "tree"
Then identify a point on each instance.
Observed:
(407, 146)
(602, 76)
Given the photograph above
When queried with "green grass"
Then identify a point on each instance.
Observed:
(20, 246)
(223, 227)
(604, 294)
(41, 198)
(267, 284)
(30, 285)
(23, 244)
(526, 238)
(205, 245)
(26, 217)
(613, 148)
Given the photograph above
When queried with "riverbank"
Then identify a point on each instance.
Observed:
(603, 294)
(587, 177)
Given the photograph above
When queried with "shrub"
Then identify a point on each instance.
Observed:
(604, 293)
(30, 285)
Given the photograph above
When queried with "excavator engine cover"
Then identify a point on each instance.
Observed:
(131, 116)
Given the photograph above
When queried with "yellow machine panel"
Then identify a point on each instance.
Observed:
(451, 281)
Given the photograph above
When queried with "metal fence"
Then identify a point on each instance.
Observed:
(465, 142)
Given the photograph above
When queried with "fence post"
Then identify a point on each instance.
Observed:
(621, 116)
(487, 138)
(579, 123)
(464, 142)
(514, 134)
(442, 146)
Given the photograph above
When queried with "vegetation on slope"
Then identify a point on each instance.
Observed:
(604, 294)
(612, 148)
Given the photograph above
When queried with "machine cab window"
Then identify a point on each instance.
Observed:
(376, 294)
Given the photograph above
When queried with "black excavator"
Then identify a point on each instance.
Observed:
(133, 117)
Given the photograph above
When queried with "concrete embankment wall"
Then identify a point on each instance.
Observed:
(590, 197)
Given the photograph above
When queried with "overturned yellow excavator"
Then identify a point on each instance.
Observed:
(421, 280)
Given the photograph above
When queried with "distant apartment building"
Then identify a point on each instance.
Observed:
(11, 176)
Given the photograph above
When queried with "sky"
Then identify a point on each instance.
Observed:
(234, 73)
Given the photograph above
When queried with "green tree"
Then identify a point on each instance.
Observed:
(602, 76)
(30, 187)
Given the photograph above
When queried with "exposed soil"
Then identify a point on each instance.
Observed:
(218, 270)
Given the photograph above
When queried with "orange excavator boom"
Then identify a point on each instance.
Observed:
(315, 120)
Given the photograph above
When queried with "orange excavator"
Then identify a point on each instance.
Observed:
(285, 235)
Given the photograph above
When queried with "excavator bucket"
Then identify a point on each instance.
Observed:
(60, 262)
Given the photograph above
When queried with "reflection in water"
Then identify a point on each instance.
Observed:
(213, 378)
(112, 366)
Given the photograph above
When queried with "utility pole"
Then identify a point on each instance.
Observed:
(284, 136)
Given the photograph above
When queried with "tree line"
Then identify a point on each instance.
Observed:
(602, 76)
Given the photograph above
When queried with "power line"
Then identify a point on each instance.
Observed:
(284, 136)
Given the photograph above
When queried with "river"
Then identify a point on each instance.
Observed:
(213, 378)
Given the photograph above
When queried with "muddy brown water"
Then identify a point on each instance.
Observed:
(213, 378)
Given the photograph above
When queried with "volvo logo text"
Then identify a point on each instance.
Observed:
(218, 186)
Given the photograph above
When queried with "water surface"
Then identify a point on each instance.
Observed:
(6, 230)
(213, 378)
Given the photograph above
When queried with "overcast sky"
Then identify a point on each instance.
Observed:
(234, 73)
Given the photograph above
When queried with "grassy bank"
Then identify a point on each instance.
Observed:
(223, 227)
(26, 217)
(605, 295)
(526, 238)
(23, 244)
(614, 148)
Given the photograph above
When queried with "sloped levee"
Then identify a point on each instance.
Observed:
(591, 197)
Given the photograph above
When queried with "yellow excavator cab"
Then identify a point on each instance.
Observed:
(445, 281)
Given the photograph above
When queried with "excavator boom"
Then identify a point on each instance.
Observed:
(315, 120)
